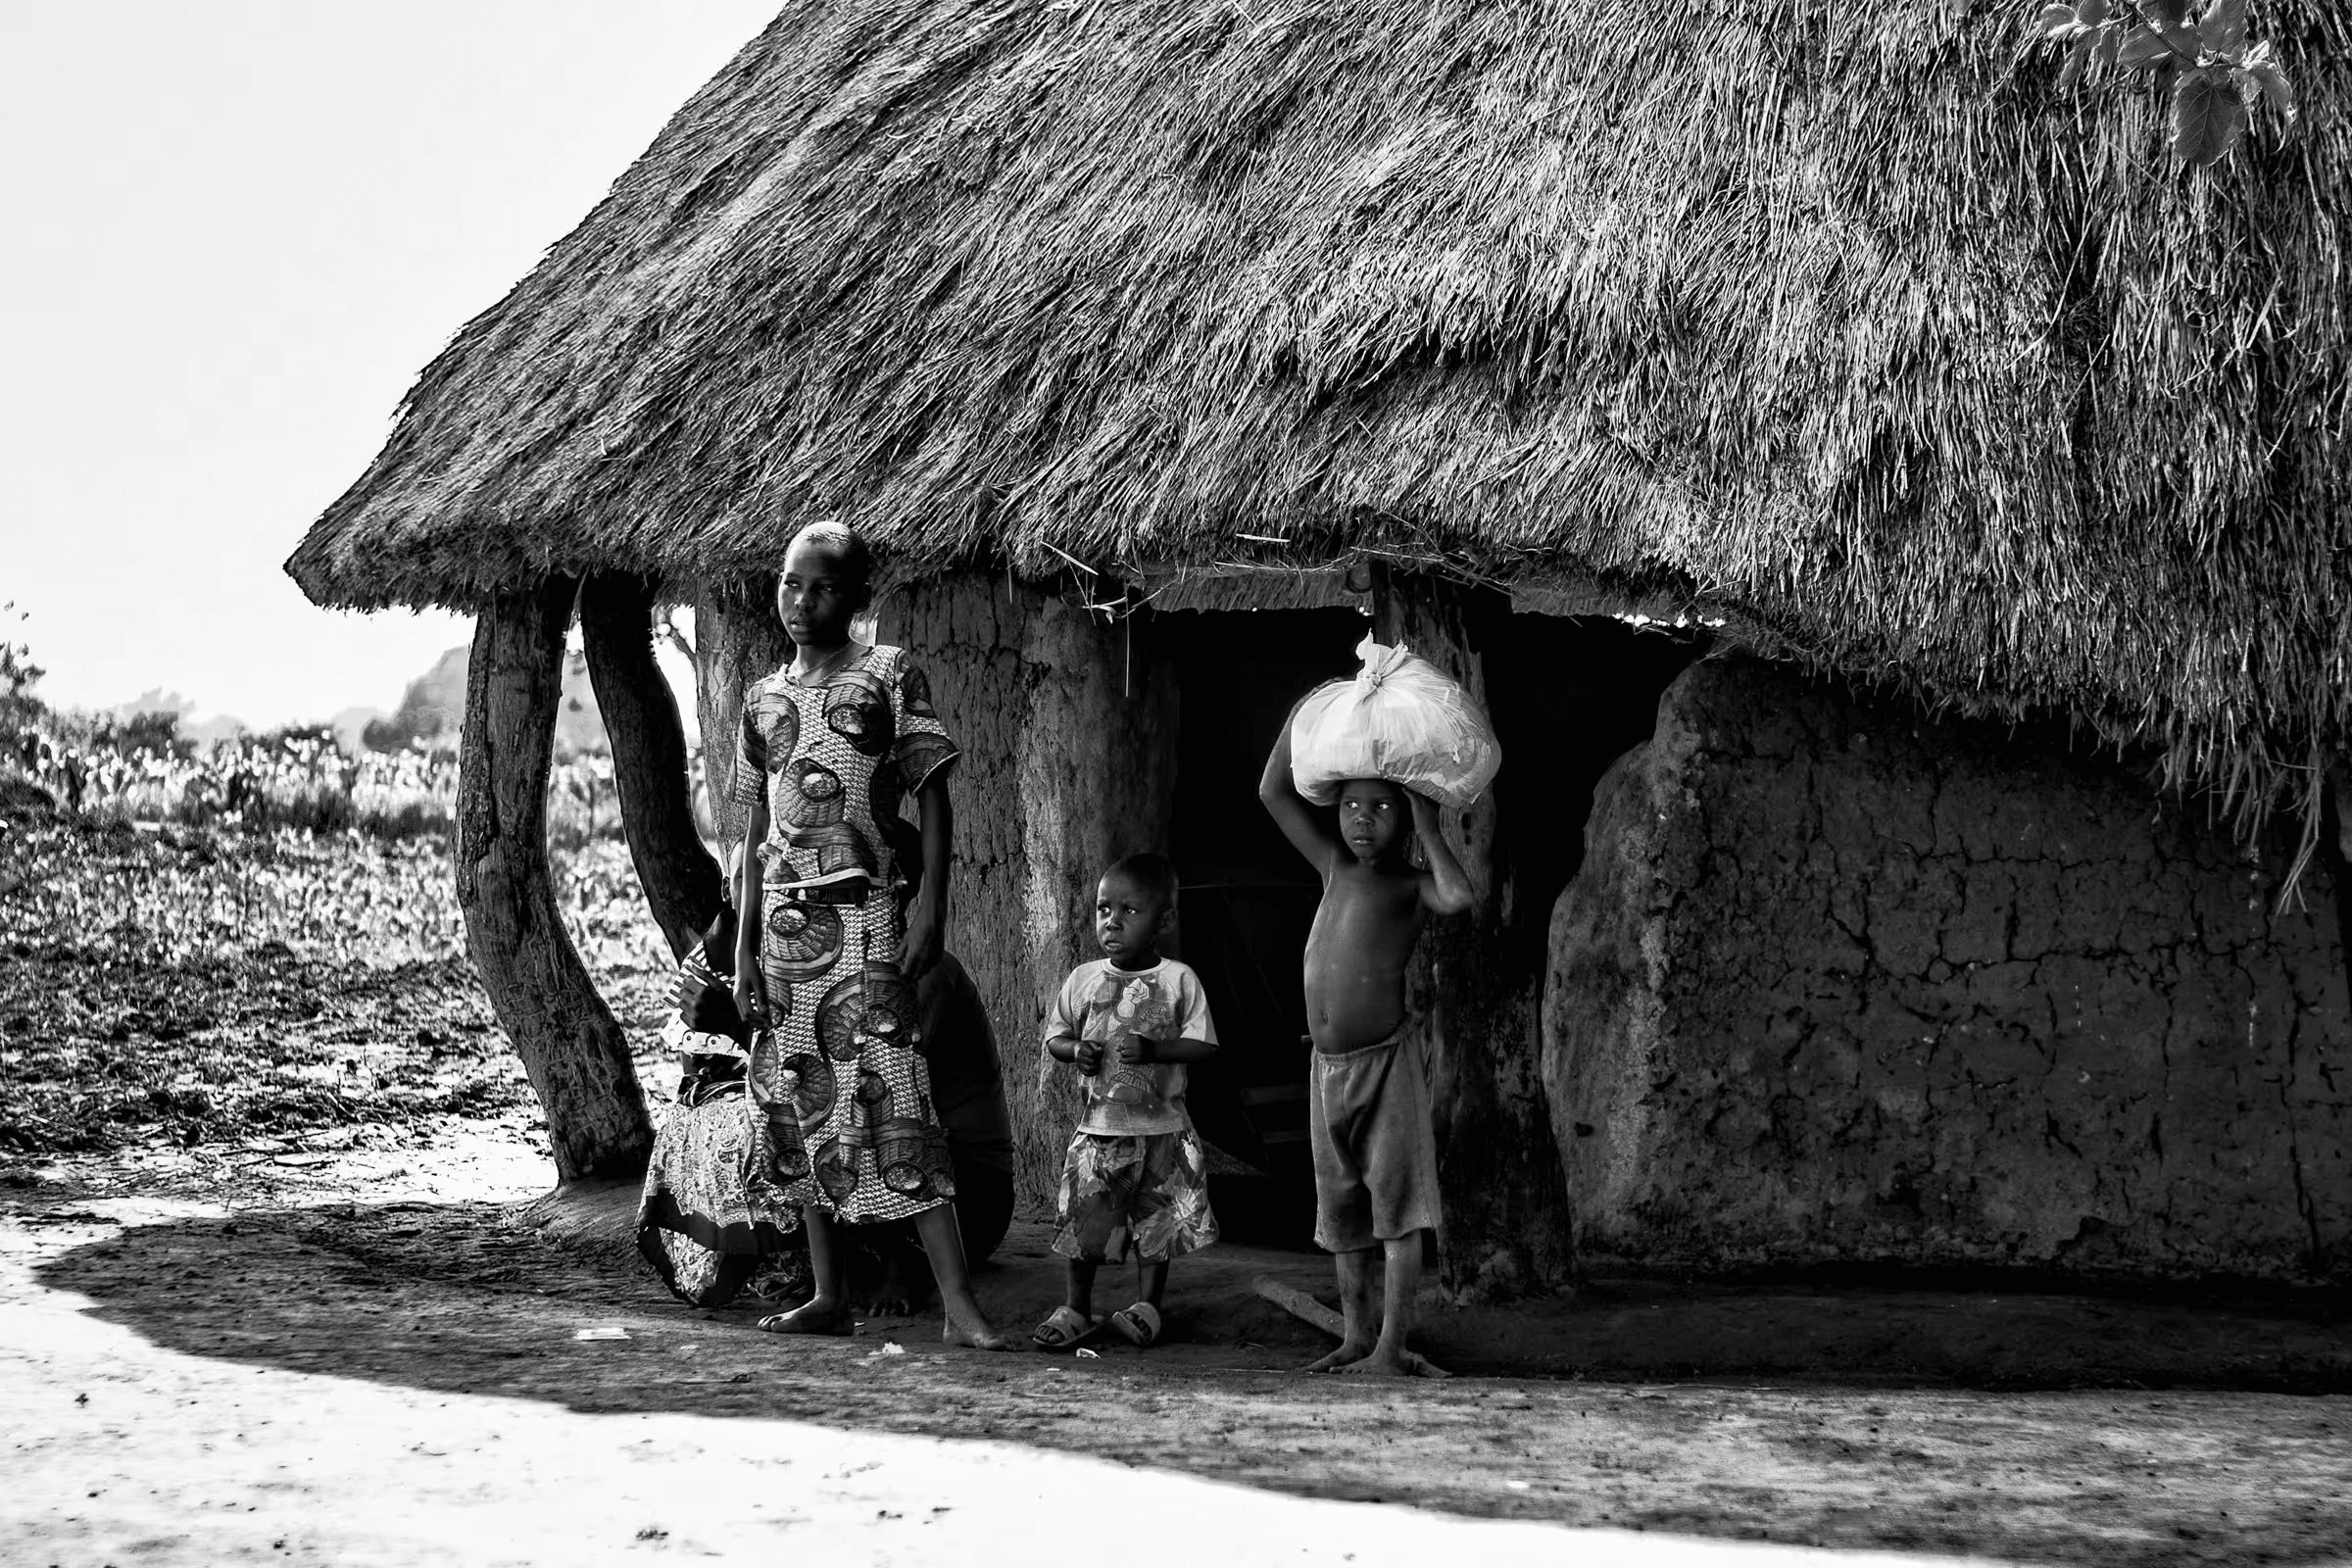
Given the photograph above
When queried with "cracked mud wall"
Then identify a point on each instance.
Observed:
(1069, 729)
(1840, 984)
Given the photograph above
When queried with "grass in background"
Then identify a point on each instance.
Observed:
(215, 982)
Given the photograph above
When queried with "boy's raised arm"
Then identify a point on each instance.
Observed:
(1445, 887)
(1298, 823)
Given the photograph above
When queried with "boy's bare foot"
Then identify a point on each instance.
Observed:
(1394, 1364)
(1348, 1354)
(810, 1317)
(978, 1336)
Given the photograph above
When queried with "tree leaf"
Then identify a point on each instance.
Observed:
(2055, 20)
(2143, 50)
(2270, 81)
(2168, 13)
(2223, 29)
(2094, 12)
(2208, 117)
(2111, 42)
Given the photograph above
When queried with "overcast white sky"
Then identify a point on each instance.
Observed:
(236, 231)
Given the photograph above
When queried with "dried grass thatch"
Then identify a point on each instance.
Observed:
(1833, 319)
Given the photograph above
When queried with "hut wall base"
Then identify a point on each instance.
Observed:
(571, 1046)
(1839, 985)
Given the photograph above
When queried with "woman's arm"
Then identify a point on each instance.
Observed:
(1298, 822)
(927, 914)
(1444, 888)
(749, 994)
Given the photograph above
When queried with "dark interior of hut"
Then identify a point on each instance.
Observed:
(1568, 697)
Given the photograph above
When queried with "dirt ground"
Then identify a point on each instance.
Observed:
(373, 1351)
(276, 1285)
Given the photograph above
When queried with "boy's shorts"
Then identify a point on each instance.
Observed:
(1376, 1157)
(1150, 1190)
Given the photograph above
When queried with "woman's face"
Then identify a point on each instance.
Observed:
(817, 598)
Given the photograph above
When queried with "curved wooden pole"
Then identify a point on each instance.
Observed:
(649, 756)
(576, 1053)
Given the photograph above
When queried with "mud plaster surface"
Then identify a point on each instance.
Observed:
(1840, 984)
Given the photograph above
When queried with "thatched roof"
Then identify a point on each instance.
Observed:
(1837, 319)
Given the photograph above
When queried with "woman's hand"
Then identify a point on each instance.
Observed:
(751, 1002)
(920, 953)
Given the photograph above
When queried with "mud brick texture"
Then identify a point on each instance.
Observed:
(1840, 984)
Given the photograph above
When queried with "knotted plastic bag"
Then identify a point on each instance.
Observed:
(1403, 720)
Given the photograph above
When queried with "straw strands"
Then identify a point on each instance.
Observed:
(1842, 321)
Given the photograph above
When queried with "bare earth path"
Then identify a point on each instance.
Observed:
(272, 1289)
(372, 1359)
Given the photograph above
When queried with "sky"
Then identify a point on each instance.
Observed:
(237, 232)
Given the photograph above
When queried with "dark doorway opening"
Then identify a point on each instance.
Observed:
(1569, 696)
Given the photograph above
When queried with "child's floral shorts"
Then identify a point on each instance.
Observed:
(1150, 1192)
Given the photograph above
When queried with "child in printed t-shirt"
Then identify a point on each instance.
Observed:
(1136, 1173)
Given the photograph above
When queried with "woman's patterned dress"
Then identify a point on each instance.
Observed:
(846, 1092)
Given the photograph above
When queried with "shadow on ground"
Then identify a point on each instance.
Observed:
(1826, 1418)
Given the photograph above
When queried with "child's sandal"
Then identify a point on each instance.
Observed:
(1138, 1324)
(1065, 1330)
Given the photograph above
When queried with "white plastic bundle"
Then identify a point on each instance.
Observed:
(1403, 720)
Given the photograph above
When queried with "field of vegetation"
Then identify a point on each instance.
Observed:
(263, 941)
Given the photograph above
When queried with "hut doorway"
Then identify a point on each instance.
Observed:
(1570, 695)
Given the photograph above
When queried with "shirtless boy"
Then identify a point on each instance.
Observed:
(1376, 1163)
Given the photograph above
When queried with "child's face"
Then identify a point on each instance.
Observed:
(817, 598)
(1373, 818)
(1128, 917)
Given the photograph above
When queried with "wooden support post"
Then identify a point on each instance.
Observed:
(576, 1053)
(1476, 990)
(649, 756)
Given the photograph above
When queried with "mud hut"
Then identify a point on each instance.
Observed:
(1156, 345)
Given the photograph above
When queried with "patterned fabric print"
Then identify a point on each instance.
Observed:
(710, 1195)
(1150, 1190)
(847, 1096)
(1097, 1001)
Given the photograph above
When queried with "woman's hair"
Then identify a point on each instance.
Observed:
(847, 546)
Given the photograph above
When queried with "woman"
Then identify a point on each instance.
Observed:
(830, 746)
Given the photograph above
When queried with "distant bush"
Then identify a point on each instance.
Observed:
(296, 778)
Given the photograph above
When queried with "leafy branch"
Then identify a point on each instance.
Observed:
(2216, 74)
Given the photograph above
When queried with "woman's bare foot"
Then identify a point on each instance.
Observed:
(1382, 1363)
(811, 1317)
(1348, 1354)
(976, 1336)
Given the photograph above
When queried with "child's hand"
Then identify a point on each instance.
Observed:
(1088, 1054)
(1136, 1051)
(705, 1007)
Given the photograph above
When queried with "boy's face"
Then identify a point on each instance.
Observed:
(1128, 917)
(817, 598)
(1373, 818)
